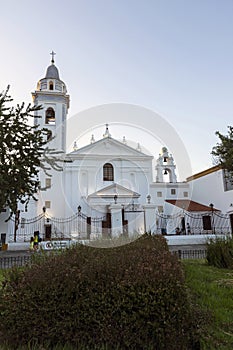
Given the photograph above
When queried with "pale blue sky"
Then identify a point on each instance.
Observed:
(172, 56)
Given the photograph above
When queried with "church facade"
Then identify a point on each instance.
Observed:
(107, 187)
(106, 178)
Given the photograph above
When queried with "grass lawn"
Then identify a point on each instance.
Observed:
(212, 289)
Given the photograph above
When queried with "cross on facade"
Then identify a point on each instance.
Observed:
(52, 54)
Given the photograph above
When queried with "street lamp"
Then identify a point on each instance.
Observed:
(212, 214)
(148, 198)
(17, 214)
(79, 218)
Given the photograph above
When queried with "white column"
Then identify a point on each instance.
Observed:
(116, 218)
(150, 218)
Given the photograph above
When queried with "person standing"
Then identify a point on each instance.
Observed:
(36, 240)
(188, 229)
(31, 246)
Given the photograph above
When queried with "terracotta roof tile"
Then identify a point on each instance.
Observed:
(190, 205)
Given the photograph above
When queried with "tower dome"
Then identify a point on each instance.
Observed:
(52, 82)
(52, 72)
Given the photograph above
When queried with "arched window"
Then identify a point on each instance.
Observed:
(50, 85)
(108, 173)
(50, 116)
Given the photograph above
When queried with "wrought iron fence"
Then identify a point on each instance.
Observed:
(7, 262)
(22, 260)
(81, 226)
(194, 223)
(78, 226)
(190, 254)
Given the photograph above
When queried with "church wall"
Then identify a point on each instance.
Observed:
(85, 176)
(4, 226)
(161, 191)
(210, 189)
(54, 195)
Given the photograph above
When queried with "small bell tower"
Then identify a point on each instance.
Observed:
(165, 167)
(51, 93)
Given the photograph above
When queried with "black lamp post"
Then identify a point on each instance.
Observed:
(148, 198)
(17, 214)
(212, 214)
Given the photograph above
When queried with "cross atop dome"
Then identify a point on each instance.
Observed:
(52, 71)
(107, 133)
(52, 54)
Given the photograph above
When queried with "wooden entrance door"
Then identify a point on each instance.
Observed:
(106, 226)
(124, 224)
(48, 232)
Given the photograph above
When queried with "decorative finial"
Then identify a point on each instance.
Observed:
(92, 139)
(124, 141)
(139, 147)
(52, 54)
(107, 133)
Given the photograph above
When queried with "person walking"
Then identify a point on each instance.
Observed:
(31, 246)
(36, 240)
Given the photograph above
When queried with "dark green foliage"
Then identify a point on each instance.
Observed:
(23, 151)
(223, 151)
(220, 253)
(129, 297)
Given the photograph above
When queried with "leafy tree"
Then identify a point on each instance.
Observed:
(22, 152)
(223, 151)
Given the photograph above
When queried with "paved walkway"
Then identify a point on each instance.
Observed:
(192, 242)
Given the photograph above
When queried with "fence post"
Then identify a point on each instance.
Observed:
(88, 227)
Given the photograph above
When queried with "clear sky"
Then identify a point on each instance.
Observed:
(174, 57)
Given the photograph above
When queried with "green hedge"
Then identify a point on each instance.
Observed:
(129, 297)
(220, 252)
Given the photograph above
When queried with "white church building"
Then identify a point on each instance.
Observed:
(108, 188)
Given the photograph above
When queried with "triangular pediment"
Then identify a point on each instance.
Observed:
(109, 147)
(113, 190)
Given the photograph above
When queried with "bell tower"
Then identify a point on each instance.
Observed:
(51, 93)
(165, 167)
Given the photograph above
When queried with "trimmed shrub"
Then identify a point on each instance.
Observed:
(129, 297)
(220, 253)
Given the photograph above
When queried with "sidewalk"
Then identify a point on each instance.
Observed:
(18, 246)
(187, 242)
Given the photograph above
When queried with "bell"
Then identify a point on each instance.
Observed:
(165, 172)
